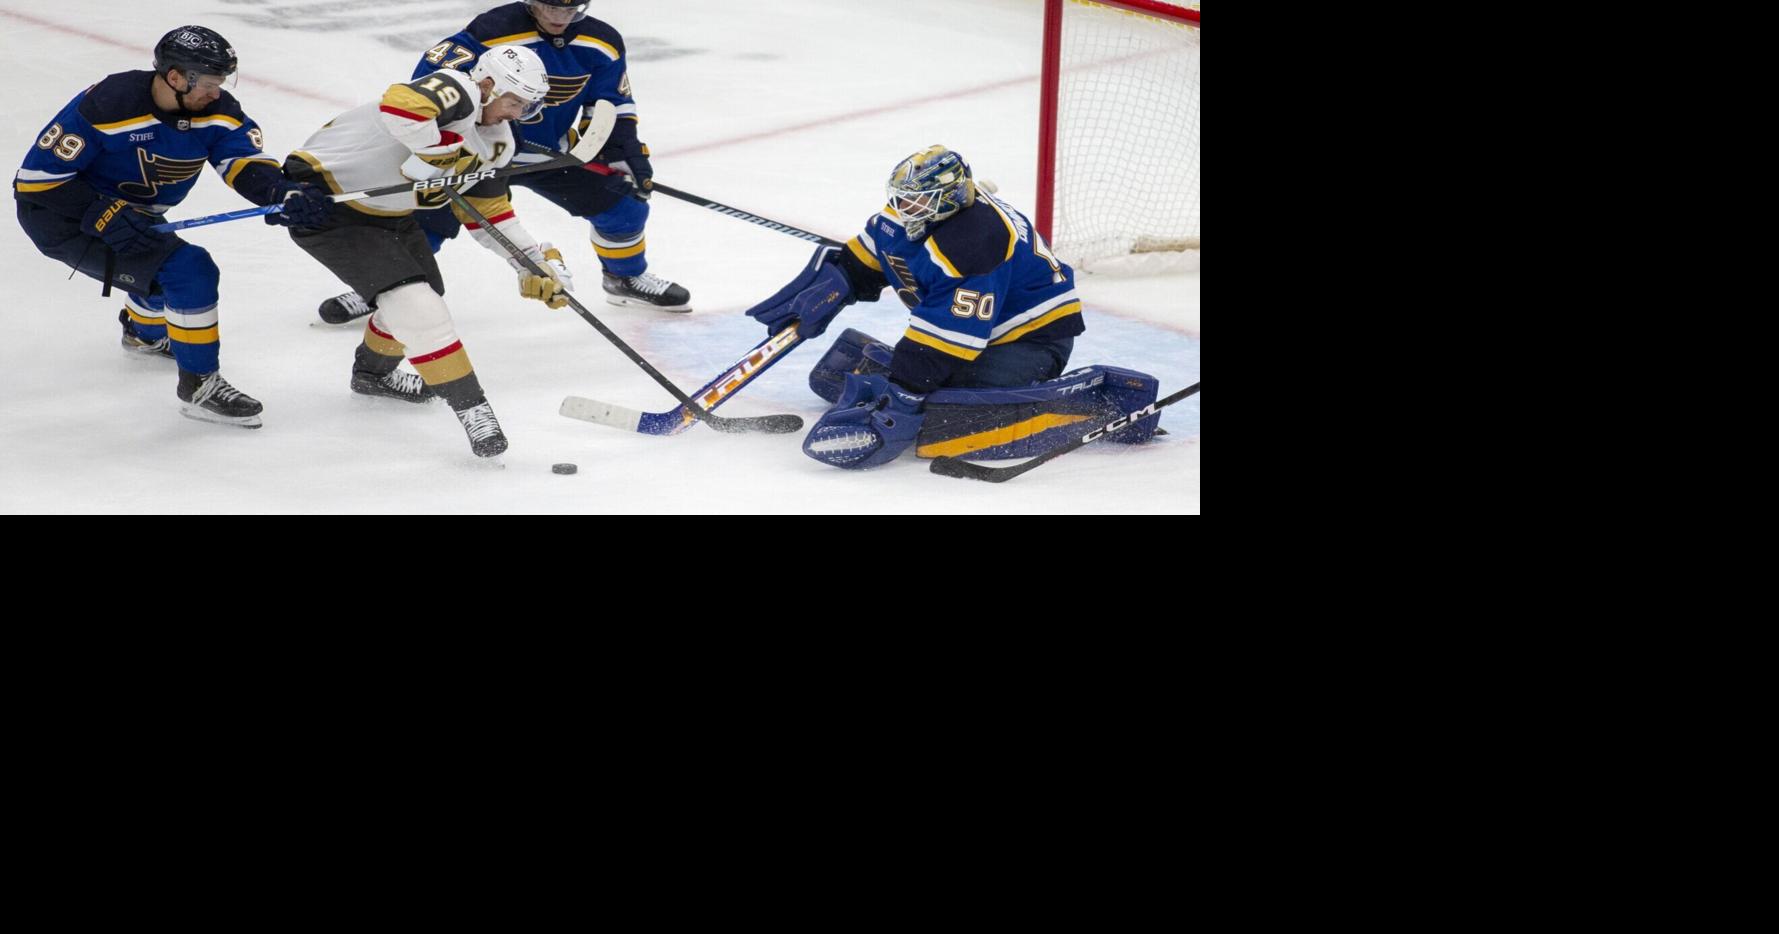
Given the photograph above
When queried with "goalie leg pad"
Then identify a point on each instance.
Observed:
(1129, 391)
(1029, 420)
(854, 352)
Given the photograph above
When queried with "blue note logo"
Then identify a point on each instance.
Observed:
(158, 170)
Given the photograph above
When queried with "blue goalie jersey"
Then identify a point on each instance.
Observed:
(980, 279)
(585, 64)
(113, 138)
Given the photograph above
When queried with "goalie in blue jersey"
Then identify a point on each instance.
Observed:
(109, 165)
(993, 317)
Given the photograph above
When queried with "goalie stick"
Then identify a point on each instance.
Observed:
(952, 467)
(715, 393)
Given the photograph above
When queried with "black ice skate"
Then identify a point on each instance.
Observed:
(648, 290)
(485, 437)
(408, 387)
(143, 348)
(343, 309)
(212, 399)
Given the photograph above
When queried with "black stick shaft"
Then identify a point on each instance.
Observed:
(610, 335)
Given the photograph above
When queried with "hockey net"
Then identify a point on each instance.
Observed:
(1119, 146)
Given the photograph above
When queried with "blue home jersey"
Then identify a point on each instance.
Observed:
(585, 64)
(978, 279)
(114, 138)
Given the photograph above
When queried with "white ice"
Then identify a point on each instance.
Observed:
(792, 109)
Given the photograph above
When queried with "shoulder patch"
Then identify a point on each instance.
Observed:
(597, 33)
(977, 240)
(508, 23)
(118, 98)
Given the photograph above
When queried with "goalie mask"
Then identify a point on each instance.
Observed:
(930, 186)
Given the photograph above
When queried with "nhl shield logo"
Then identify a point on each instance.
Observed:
(184, 125)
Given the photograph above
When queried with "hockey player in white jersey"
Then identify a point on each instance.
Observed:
(448, 123)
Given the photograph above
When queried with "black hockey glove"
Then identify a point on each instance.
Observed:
(641, 173)
(305, 205)
(123, 226)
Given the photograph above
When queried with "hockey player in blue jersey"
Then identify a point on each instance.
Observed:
(990, 308)
(586, 62)
(111, 163)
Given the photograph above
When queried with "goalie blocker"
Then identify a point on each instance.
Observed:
(995, 423)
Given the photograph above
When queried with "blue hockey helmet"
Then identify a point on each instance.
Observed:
(196, 52)
(578, 6)
(930, 186)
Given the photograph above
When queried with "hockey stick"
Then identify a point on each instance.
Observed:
(715, 393)
(771, 424)
(717, 206)
(605, 116)
(952, 467)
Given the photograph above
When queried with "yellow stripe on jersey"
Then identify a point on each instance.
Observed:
(28, 187)
(235, 170)
(333, 185)
(1061, 312)
(938, 256)
(321, 170)
(610, 50)
(863, 252)
(402, 97)
(956, 447)
(515, 37)
(216, 120)
(124, 124)
(943, 346)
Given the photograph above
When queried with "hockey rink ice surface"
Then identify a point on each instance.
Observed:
(792, 109)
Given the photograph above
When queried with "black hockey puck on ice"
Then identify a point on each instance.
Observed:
(564, 468)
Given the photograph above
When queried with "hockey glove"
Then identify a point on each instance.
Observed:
(305, 205)
(551, 289)
(123, 226)
(873, 423)
(448, 157)
(812, 299)
(641, 173)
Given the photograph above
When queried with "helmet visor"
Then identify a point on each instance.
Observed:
(531, 108)
(196, 80)
(558, 12)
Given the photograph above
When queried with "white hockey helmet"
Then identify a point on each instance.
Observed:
(518, 71)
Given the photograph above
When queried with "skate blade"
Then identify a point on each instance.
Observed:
(621, 302)
(200, 415)
(411, 400)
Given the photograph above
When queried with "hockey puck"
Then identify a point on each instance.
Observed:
(564, 468)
